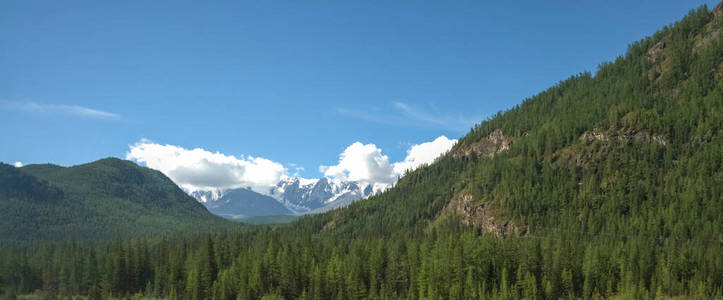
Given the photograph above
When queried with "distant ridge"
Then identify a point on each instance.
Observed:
(94, 201)
(291, 196)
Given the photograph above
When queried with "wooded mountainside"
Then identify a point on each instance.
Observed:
(95, 201)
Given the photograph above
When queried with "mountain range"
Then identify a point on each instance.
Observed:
(291, 196)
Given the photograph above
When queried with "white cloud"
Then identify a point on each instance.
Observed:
(61, 109)
(297, 169)
(18, 164)
(199, 169)
(424, 153)
(361, 163)
(366, 163)
(403, 114)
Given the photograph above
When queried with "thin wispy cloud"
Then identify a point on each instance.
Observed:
(404, 114)
(374, 116)
(63, 109)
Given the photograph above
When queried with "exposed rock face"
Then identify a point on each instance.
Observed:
(625, 136)
(583, 158)
(708, 34)
(711, 31)
(494, 143)
(705, 39)
(479, 215)
(657, 49)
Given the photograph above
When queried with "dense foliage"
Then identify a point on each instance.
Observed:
(615, 179)
(94, 201)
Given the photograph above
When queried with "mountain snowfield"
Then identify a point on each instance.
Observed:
(292, 195)
(318, 195)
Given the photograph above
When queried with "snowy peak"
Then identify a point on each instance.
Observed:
(206, 196)
(313, 195)
(297, 195)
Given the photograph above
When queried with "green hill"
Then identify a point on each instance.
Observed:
(94, 201)
(633, 149)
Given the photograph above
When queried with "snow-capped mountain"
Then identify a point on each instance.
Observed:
(205, 196)
(292, 195)
(241, 203)
(319, 195)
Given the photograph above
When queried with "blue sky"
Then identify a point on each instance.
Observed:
(294, 82)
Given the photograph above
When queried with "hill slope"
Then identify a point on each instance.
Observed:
(636, 148)
(94, 200)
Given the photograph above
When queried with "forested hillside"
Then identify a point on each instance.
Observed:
(94, 201)
(605, 185)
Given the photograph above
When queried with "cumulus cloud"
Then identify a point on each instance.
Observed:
(199, 169)
(61, 109)
(361, 163)
(18, 164)
(424, 153)
(366, 163)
